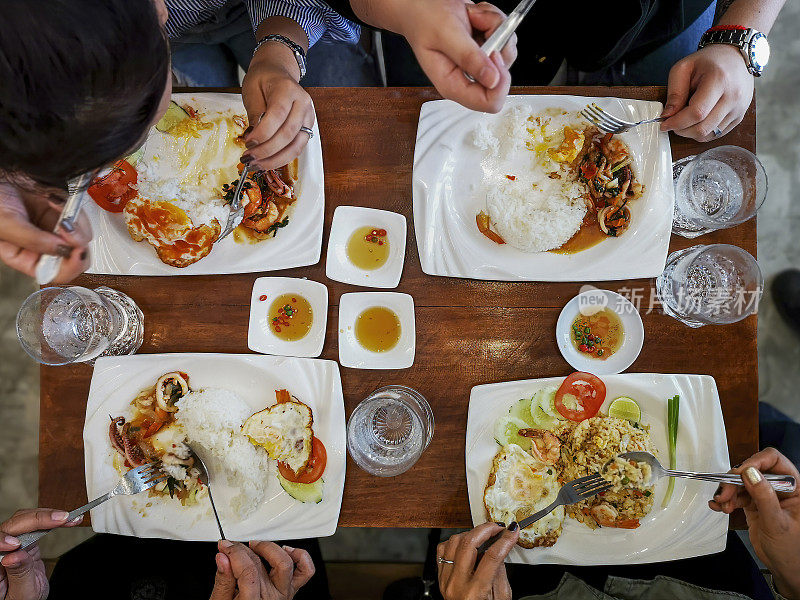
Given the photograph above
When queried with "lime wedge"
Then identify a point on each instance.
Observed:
(174, 115)
(625, 408)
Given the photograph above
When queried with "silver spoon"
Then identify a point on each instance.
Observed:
(780, 483)
(203, 477)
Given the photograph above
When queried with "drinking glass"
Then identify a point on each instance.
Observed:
(716, 284)
(389, 430)
(63, 325)
(720, 188)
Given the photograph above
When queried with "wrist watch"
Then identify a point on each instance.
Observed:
(751, 43)
(297, 50)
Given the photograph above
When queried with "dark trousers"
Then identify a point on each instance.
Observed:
(112, 567)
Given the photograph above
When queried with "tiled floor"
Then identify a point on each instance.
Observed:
(779, 348)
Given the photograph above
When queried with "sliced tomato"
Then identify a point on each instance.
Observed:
(313, 470)
(112, 191)
(587, 393)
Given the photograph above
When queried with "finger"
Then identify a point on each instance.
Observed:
(731, 121)
(280, 561)
(467, 551)
(243, 569)
(678, 86)
(224, 581)
(278, 109)
(701, 103)
(25, 521)
(486, 18)
(704, 130)
(501, 588)
(446, 550)
(769, 460)
(26, 235)
(303, 566)
(457, 44)
(495, 555)
(285, 156)
(20, 574)
(19, 259)
(287, 132)
(764, 497)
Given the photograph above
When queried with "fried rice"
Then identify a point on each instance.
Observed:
(586, 449)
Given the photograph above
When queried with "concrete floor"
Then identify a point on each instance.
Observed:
(779, 347)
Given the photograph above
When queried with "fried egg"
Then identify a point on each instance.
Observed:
(518, 487)
(284, 431)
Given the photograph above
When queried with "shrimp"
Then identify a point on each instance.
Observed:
(607, 516)
(545, 446)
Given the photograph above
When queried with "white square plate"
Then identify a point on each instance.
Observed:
(261, 338)
(686, 528)
(446, 199)
(352, 354)
(346, 219)
(116, 381)
(298, 244)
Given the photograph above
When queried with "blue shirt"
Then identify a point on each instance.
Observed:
(316, 18)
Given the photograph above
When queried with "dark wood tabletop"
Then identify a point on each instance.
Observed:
(468, 332)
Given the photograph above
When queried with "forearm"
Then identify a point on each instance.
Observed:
(758, 14)
(275, 54)
(786, 588)
(382, 14)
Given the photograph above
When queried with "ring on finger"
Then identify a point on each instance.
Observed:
(307, 130)
(444, 561)
(717, 132)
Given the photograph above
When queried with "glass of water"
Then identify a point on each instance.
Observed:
(64, 325)
(720, 188)
(716, 284)
(389, 430)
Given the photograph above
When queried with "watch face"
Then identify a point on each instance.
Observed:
(759, 51)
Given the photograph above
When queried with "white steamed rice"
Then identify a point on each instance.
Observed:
(533, 212)
(212, 420)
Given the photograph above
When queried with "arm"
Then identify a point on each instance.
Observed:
(712, 88)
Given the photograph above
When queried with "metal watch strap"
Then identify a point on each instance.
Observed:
(735, 37)
(297, 50)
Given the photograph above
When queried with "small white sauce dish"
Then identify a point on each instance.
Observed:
(592, 300)
(352, 354)
(346, 219)
(261, 338)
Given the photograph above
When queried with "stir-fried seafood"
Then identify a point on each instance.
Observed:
(268, 200)
(152, 435)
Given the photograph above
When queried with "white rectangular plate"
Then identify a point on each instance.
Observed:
(116, 381)
(113, 251)
(685, 528)
(446, 194)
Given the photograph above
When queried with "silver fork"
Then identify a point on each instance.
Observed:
(201, 466)
(570, 493)
(237, 209)
(135, 481)
(609, 123)
(781, 483)
(498, 40)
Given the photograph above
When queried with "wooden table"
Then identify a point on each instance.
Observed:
(468, 332)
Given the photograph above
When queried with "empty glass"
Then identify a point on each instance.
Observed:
(389, 430)
(720, 188)
(714, 284)
(63, 325)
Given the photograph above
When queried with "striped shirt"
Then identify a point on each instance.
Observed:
(317, 19)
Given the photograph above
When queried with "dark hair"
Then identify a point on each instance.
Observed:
(80, 83)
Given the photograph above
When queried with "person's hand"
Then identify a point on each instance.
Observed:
(241, 574)
(707, 90)
(26, 224)
(22, 575)
(773, 519)
(445, 36)
(277, 107)
(464, 580)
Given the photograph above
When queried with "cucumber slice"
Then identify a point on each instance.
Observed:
(304, 492)
(174, 115)
(546, 398)
(506, 431)
(522, 411)
(541, 419)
